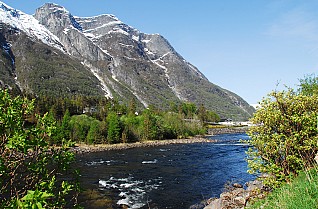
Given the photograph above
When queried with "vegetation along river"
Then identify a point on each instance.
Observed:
(170, 176)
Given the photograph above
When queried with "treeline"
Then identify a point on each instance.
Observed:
(95, 120)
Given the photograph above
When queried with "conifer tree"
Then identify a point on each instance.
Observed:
(113, 133)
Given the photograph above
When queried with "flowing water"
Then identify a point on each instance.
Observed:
(170, 176)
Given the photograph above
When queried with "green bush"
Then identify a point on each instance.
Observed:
(87, 129)
(284, 138)
(29, 167)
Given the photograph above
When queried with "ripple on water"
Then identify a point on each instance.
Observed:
(131, 192)
(150, 162)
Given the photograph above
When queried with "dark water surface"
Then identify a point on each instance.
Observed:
(170, 176)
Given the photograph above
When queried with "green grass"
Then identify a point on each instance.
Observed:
(301, 193)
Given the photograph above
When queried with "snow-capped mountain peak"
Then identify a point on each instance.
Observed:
(56, 8)
(102, 57)
(29, 25)
(63, 14)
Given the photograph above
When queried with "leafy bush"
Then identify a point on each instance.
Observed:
(30, 170)
(284, 140)
(87, 129)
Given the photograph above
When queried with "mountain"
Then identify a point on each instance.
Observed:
(56, 53)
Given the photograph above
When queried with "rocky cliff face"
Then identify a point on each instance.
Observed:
(37, 68)
(113, 58)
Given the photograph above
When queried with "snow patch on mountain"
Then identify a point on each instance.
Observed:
(168, 79)
(92, 18)
(145, 104)
(99, 26)
(146, 40)
(29, 25)
(96, 72)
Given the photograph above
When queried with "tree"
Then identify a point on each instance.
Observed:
(80, 125)
(131, 106)
(113, 133)
(188, 109)
(308, 85)
(30, 170)
(284, 138)
(63, 129)
(93, 133)
(151, 128)
(174, 126)
(132, 130)
(202, 114)
(212, 116)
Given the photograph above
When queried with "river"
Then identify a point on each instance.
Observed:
(171, 176)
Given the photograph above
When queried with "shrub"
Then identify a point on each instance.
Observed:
(284, 140)
(30, 170)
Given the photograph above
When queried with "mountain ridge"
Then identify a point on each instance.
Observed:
(123, 62)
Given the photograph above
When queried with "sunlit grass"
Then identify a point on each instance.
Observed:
(301, 193)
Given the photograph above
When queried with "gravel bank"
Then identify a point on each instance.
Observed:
(230, 130)
(84, 148)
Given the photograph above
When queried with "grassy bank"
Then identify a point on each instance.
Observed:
(302, 193)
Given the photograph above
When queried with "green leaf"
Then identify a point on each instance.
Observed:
(39, 205)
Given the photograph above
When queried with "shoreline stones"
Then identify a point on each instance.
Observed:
(230, 130)
(84, 148)
(237, 197)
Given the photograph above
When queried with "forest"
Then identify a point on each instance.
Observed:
(95, 120)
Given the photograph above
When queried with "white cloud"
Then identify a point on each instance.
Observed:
(297, 23)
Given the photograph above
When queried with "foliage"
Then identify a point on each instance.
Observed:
(90, 119)
(29, 168)
(212, 116)
(132, 130)
(87, 129)
(188, 109)
(151, 127)
(284, 140)
(113, 133)
(309, 85)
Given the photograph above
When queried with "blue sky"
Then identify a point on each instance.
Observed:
(248, 47)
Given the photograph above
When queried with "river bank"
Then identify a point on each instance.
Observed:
(85, 148)
(81, 148)
(227, 130)
(236, 197)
